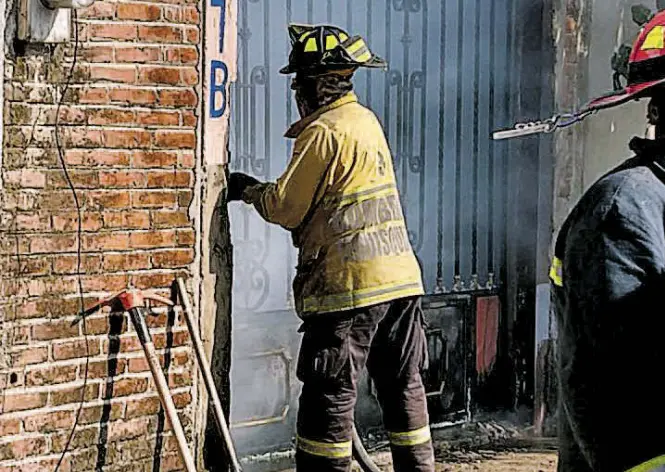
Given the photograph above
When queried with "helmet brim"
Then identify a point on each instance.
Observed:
(619, 97)
(287, 70)
(374, 63)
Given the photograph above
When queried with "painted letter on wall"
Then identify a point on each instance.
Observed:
(222, 21)
(219, 76)
(220, 53)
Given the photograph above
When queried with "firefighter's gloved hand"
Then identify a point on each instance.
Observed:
(238, 182)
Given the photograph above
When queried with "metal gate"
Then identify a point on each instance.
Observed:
(446, 89)
(454, 76)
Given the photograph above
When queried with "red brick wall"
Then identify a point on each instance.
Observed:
(128, 126)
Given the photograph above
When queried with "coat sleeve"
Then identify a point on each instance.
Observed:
(613, 259)
(611, 273)
(287, 201)
(630, 254)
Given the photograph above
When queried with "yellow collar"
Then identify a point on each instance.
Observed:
(299, 126)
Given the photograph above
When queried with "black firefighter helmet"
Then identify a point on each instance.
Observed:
(322, 49)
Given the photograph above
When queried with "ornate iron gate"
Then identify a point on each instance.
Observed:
(454, 76)
(447, 88)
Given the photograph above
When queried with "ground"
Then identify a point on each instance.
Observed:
(479, 447)
(487, 461)
(505, 462)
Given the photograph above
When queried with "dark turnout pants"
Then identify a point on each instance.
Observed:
(390, 340)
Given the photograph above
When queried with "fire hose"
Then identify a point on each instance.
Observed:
(361, 455)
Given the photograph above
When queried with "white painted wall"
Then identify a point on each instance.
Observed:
(609, 131)
(3, 23)
(213, 265)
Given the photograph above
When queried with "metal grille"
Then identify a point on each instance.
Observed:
(446, 89)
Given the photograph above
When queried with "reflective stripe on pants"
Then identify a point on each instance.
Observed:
(322, 449)
(390, 339)
(410, 438)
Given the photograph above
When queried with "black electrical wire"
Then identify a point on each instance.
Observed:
(79, 231)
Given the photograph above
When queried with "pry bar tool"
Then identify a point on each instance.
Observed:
(359, 451)
(220, 418)
(133, 302)
(537, 127)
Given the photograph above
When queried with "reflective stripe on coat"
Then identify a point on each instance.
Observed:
(339, 198)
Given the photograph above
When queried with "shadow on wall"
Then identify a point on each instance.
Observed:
(115, 329)
(221, 264)
(106, 446)
(157, 455)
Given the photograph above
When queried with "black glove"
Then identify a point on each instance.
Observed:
(238, 182)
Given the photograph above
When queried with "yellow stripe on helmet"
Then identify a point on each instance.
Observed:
(331, 42)
(311, 46)
(304, 36)
(355, 46)
(655, 39)
(366, 56)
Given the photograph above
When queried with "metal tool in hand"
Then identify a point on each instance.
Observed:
(133, 302)
(537, 127)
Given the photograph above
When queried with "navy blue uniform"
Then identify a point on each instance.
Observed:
(609, 290)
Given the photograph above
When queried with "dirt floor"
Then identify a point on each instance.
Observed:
(487, 461)
(481, 447)
(506, 461)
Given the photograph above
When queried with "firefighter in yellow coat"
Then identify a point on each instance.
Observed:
(358, 282)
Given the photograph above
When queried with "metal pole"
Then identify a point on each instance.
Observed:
(207, 377)
(138, 319)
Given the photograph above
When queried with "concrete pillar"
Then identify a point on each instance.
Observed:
(215, 250)
(571, 28)
(572, 25)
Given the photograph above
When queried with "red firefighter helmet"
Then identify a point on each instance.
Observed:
(646, 67)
